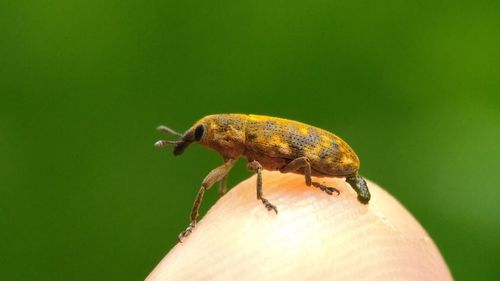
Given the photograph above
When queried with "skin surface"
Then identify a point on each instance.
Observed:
(314, 237)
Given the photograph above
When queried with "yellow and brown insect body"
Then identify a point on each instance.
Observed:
(273, 144)
(270, 137)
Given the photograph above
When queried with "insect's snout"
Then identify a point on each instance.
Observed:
(179, 145)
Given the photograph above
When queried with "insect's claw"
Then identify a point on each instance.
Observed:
(327, 189)
(186, 232)
(269, 206)
(331, 190)
(182, 236)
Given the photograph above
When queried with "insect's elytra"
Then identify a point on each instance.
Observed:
(269, 143)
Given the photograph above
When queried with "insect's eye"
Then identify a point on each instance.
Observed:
(198, 132)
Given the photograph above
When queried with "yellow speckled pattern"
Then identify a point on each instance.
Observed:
(281, 138)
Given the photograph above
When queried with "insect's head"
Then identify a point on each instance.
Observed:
(195, 133)
(221, 132)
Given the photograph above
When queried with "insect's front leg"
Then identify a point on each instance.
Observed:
(303, 162)
(214, 176)
(256, 167)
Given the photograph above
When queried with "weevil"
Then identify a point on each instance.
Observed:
(269, 143)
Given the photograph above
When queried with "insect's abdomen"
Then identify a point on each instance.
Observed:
(276, 138)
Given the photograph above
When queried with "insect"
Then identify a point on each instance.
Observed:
(269, 143)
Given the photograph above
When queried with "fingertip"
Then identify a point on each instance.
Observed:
(313, 235)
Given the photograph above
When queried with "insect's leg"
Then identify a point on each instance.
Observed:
(214, 176)
(255, 167)
(359, 185)
(223, 186)
(303, 162)
(329, 190)
(299, 163)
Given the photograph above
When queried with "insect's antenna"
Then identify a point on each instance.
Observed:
(167, 130)
(163, 143)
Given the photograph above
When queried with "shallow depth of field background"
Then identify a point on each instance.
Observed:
(84, 195)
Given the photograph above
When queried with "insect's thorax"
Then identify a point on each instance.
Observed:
(225, 134)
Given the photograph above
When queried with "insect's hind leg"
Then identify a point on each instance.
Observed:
(359, 185)
(303, 162)
(256, 167)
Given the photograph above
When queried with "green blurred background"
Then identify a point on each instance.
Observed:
(84, 195)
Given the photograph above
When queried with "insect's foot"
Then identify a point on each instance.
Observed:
(186, 232)
(327, 189)
(269, 206)
(331, 190)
